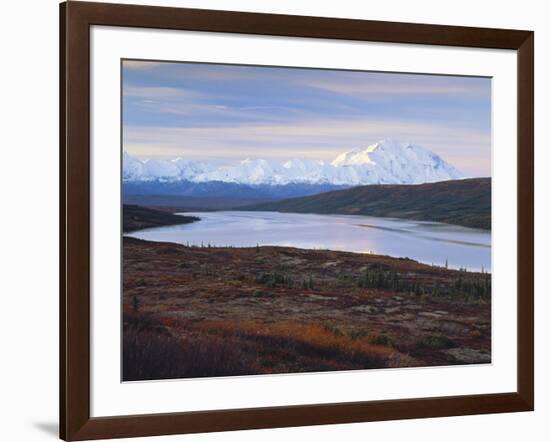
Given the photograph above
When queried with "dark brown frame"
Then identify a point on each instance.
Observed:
(75, 21)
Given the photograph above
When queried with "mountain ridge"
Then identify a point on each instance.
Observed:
(384, 162)
(465, 202)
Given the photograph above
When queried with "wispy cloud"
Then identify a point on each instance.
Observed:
(309, 139)
(406, 88)
(229, 112)
(141, 65)
(156, 92)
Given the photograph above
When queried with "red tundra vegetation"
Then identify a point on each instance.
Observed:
(209, 311)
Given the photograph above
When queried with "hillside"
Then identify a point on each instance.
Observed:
(463, 202)
(137, 218)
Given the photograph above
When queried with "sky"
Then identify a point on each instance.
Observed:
(226, 113)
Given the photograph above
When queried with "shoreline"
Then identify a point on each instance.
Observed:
(268, 246)
(136, 218)
(458, 251)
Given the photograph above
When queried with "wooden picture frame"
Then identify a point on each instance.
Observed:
(76, 18)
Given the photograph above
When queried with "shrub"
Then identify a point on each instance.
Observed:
(358, 334)
(378, 278)
(476, 334)
(296, 347)
(381, 339)
(153, 353)
(225, 348)
(307, 283)
(275, 279)
(434, 342)
(335, 330)
(424, 298)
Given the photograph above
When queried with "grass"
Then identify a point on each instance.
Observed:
(150, 351)
(224, 348)
(312, 346)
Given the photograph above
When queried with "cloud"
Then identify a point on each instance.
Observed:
(467, 149)
(141, 64)
(156, 92)
(190, 108)
(409, 86)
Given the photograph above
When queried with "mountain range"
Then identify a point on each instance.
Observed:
(384, 162)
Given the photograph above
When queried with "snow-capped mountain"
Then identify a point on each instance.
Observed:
(385, 162)
(392, 162)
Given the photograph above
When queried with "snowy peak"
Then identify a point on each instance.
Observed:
(132, 168)
(381, 150)
(384, 162)
(352, 158)
(359, 156)
(393, 162)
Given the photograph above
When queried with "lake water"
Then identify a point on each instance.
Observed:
(427, 242)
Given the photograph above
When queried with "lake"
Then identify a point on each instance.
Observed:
(428, 242)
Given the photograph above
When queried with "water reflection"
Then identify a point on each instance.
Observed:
(427, 242)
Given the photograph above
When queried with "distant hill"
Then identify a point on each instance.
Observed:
(464, 202)
(212, 193)
(137, 218)
(177, 203)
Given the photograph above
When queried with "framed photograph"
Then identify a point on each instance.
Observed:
(272, 221)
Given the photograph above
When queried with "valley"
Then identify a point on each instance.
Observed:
(304, 266)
